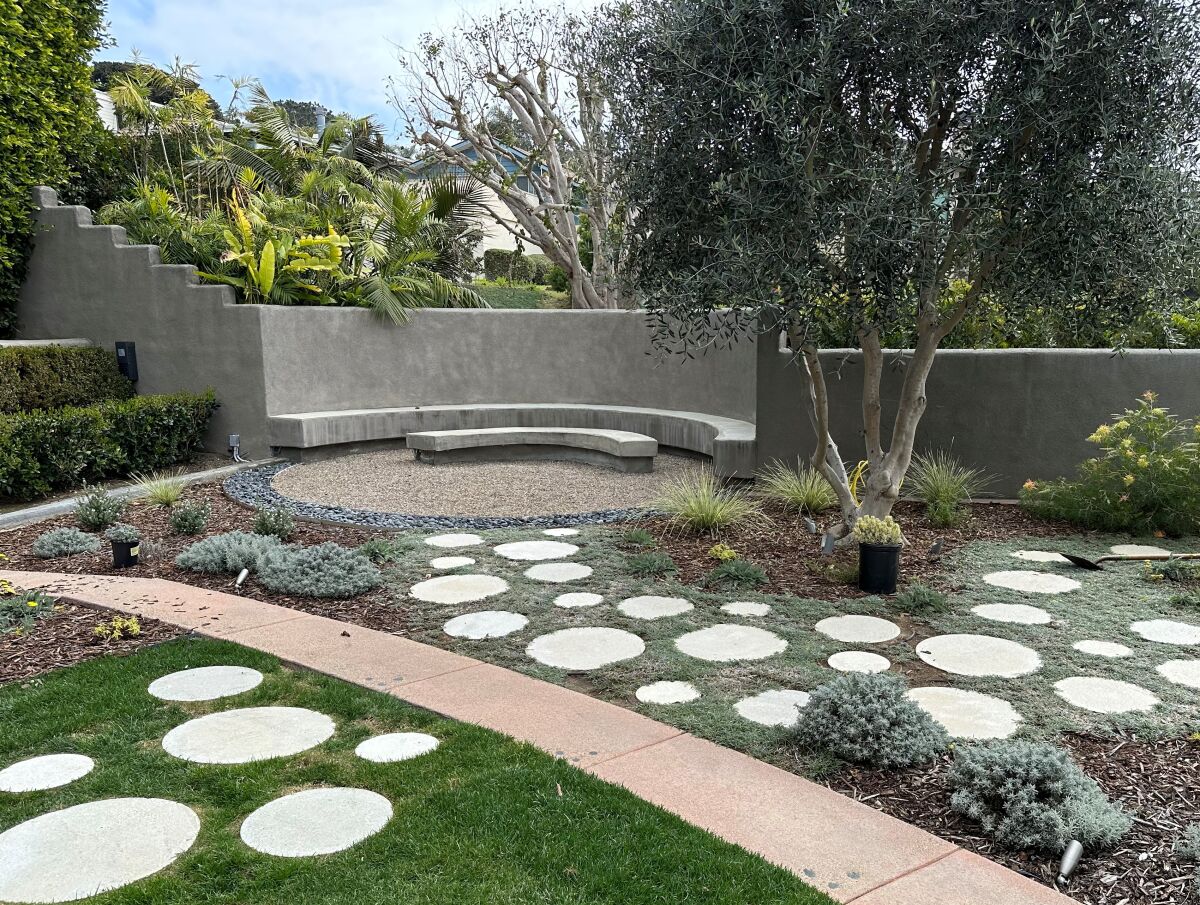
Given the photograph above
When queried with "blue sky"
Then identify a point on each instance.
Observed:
(339, 53)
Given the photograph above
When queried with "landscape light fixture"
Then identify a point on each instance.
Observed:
(1070, 860)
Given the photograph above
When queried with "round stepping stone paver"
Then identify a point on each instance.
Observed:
(581, 599)
(1167, 631)
(451, 562)
(1102, 648)
(561, 532)
(780, 707)
(396, 746)
(745, 608)
(667, 693)
(449, 541)
(450, 589)
(1032, 582)
(92, 848)
(1017, 613)
(46, 772)
(968, 714)
(316, 822)
(1181, 672)
(485, 624)
(558, 572)
(535, 550)
(652, 607)
(205, 683)
(725, 643)
(859, 661)
(858, 629)
(585, 648)
(1039, 556)
(249, 734)
(1138, 550)
(979, 655)
(1105, 695)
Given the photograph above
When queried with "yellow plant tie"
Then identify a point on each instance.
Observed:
(855, 476)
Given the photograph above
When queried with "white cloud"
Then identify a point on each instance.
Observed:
(338, 53)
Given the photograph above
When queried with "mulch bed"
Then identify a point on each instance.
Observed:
(1157, 781)
(782, 545)
(66, 639)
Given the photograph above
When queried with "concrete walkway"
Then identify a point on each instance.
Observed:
(851, 851)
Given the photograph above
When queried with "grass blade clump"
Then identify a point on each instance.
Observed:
(653, 564)
(801, 489)
(699, 503)
(735, 573)
(944, 485)
(867, 719)
(919, 599)
(1031, 795)
(161, 489)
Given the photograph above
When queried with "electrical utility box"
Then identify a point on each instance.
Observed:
(127, 360)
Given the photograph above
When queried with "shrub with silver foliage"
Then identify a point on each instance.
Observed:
(868, 720)
(229, 552)
(326, 570)
(64, 542)
(1031, 795)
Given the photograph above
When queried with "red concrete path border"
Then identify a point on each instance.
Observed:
(849, 850)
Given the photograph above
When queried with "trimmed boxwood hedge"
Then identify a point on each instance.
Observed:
(44, 451)
(48, 377)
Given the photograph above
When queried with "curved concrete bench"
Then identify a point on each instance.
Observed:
(622, 450)
(314, 435)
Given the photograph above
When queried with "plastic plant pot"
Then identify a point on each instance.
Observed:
(125, 553)
(878, 568)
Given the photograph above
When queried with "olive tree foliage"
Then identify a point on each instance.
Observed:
(895, 164)
(524, 91)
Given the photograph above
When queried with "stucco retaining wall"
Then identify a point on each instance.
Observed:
(1017, 413)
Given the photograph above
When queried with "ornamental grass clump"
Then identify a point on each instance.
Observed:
(228, 553)
(944, 485)
(326, 570)
(64, 542)
(98, 509)
(160, 489)
(653, 564)
(867, 719)
(699, 503)
(801, 489)
(1031, 795)
(1145, 479)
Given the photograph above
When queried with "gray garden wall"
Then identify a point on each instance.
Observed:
(1018, 413)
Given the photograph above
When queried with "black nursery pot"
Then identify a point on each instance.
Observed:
(125, 553)
(878, 568)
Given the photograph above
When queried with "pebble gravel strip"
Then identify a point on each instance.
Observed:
(254, 488)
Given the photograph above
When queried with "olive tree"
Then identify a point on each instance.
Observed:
(894, 165)
(517, 100)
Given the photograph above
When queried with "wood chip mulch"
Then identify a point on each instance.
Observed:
(67, 638)
(1157, 781)
(791, 556)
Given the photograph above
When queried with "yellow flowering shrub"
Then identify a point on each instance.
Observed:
(1145, 479)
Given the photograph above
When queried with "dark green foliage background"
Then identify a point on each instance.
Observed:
(44, 451)
(46, 377)
(46, 109)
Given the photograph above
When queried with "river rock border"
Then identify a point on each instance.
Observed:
(253, 487)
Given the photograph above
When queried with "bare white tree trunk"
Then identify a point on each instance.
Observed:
(531, 67)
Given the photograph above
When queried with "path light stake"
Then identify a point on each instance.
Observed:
(1070, 860)
(242, 576)
(827, 545)
(810, 525)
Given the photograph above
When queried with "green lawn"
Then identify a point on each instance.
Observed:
(480, 820)
(520, 295)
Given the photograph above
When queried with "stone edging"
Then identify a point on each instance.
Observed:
(253, 487)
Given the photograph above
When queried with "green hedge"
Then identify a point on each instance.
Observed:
(48, 110)
(45, 451)
(50, 377)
